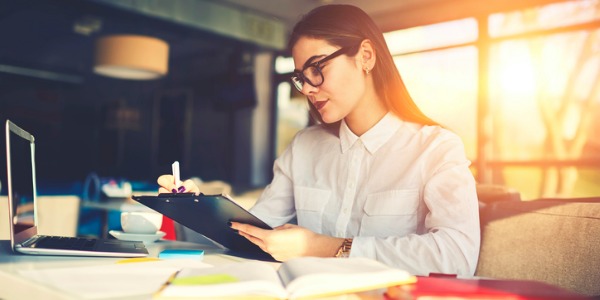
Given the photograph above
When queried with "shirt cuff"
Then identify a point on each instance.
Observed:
(363, 246)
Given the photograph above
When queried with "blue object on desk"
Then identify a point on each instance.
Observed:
(181, 253)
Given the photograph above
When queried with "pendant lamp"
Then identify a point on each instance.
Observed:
(134, 57)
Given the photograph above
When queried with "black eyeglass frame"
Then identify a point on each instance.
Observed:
(298, 78)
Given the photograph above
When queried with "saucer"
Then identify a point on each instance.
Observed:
(146, 238)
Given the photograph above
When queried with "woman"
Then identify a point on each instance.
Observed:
(376, 178)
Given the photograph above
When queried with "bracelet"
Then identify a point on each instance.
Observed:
(344, 250)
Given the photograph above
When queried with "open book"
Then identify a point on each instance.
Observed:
(297, 278)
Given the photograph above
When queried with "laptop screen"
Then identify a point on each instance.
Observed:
(21, 178)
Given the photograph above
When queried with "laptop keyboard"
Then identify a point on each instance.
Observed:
(69, 243)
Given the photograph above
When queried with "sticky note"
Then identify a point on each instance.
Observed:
(181, 253)
(204, 279)
(137, 259)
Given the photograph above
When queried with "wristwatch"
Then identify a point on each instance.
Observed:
(344, 250)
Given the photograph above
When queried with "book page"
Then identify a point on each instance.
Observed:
(310, 276)
(236, 279)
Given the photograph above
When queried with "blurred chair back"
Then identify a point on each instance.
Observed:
(4, 222)
(551, 240)
(57, 215)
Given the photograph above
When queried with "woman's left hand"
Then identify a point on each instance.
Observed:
(289, 241)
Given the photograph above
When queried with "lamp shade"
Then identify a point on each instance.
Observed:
(131, 57)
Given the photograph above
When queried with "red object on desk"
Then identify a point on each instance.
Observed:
(168, 227)
(453, 288)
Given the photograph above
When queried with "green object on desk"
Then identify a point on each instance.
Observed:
(204, 279)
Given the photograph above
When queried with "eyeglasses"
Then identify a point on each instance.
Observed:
(312, 73)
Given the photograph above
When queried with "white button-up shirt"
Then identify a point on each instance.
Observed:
(403, 191)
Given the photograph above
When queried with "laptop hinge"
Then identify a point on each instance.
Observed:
(30, 241)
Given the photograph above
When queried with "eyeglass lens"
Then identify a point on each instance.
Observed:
(311, 75)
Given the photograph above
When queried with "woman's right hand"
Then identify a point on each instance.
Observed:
(167, 185)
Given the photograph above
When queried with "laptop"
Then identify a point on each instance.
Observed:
(22, 212)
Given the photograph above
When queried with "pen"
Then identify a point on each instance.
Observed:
(177, 178)
(168, 282)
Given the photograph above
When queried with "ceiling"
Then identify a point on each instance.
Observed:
(55, 38)
(290, 10)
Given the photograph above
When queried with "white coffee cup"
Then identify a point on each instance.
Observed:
(140, 222)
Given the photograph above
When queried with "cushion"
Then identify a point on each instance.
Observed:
(551, 240)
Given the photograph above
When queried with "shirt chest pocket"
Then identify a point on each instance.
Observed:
(310, 203)
(390, 213)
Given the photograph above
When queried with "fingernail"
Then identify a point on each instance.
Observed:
(181, 189)
(174, 191)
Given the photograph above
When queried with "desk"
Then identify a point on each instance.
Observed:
(15, 286)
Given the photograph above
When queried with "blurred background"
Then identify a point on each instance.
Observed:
(517, 80)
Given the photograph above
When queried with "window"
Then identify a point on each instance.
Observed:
(440, 72)
(542, 95)
(292, 115)
(441, 92)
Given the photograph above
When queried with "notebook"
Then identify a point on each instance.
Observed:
(22, 213)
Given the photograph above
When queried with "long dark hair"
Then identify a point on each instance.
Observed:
(346, 25)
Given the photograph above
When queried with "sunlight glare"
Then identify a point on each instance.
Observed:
(516, 71)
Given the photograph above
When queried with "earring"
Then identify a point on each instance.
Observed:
(367, 70)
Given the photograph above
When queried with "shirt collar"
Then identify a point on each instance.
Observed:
(375, 137)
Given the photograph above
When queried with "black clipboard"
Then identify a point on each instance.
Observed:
(208, 215)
